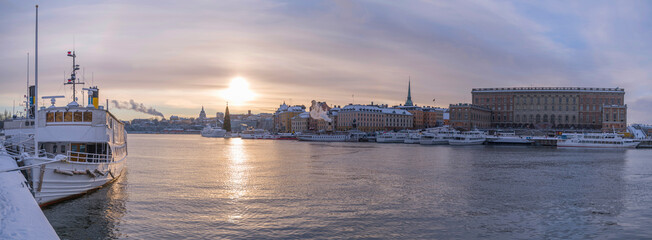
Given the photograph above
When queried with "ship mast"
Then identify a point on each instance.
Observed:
(73, 77)
(36, 87)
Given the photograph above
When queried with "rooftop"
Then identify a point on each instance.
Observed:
(549, 89)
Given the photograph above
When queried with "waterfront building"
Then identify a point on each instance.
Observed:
(283, 117)
(370, 118)
(553, 107)
(432, 117)
(469, 116)
(300, 122)
(614, 117)
(423, 117)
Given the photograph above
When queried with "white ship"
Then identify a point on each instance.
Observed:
(509, 138)
(209, 131)
(600, 140)
(413, 138)
(325, 137)
(468, 138)
(254, 134)
(79, 148)
(391, 137)
(433, 139)
(438, 136)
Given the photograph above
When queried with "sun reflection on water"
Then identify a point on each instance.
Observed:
(237, 166)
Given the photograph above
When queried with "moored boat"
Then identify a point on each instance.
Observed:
(209, 131)
(433, 139)
(413, 138)
(325, 137)
(601, 140)
(468, 138)
(391, 137)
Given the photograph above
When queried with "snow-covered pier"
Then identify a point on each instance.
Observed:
(20, 215)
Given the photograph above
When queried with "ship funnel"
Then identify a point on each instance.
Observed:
(31, 100)
(93, 97)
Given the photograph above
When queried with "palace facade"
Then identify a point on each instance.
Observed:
(554, 107)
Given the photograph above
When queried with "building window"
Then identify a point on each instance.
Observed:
(58, 117)
(49, 117)
(67, 117)
(77, 116)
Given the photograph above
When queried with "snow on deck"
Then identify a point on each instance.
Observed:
(20, 215)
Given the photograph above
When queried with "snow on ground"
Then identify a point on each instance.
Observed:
(20, 215)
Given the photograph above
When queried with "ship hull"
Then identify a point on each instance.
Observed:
(591, 145)
(465, 142)
(52, 183)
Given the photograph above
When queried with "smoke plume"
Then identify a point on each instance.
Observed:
(319, 110)
(138, 107)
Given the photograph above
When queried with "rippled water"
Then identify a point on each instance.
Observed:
(188, 187)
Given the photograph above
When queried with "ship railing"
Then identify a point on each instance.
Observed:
(16, 147)
(88, 157)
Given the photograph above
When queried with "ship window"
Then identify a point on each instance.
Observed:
(58, 117)
(78, 116)
(88, 116)
(67, 117)
(49, 117)
(63, 148)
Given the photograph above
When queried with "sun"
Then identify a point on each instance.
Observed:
(238, 92)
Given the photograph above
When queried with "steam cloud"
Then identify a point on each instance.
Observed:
(138, 107)
(319, 110)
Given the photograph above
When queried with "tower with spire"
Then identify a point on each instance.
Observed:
(202, 114)
(227, 119)
(408, 102)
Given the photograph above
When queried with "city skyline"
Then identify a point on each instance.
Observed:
(327, 51)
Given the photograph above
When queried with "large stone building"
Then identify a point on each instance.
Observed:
(469, 116)
(283, 117)
(554, 107)
(370, 118)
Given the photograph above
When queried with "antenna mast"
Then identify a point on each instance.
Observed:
(73, 76)
(36, 87)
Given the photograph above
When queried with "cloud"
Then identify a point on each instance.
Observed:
(330, 50)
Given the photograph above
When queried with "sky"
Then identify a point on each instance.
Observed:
(177, 56)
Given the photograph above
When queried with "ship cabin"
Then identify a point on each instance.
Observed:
(82, 134)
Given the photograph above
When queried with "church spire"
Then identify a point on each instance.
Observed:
(227, 119)
(408, 102)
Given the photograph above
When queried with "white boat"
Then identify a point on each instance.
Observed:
(509, 138)
(599, 140)
(254, 134)
(468, 138)
(231, 135)
(391, 137)
(433, 139)
(285, 136)
(438, 136)
(413, 138)
(325, 137)
(79, 148)
(209, 131)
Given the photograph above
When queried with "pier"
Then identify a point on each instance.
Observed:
(21, 217)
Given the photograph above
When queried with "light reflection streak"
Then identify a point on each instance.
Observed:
(237, 167)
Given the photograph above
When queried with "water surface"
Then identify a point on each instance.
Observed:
(188, 187)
